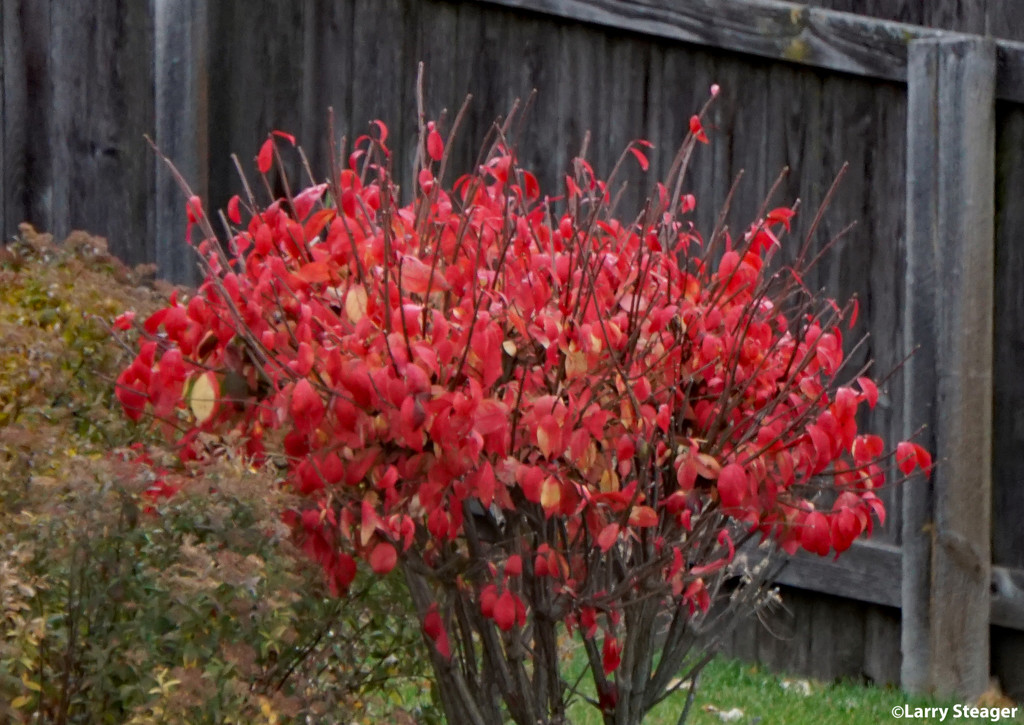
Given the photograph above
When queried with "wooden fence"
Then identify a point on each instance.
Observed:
(928, 114)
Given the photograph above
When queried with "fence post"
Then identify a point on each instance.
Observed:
(181, 127)
(949, 293)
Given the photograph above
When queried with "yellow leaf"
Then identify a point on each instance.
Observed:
(609, 481)
(21, 701)
(550, 494)
(30, 684)
(355, 303)
(203, 396)
(575, 365)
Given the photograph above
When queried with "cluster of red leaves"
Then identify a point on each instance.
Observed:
(477, 351)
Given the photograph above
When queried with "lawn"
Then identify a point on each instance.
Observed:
(738, 692)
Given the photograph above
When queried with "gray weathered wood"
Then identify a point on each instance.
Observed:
(950, 242)
(779, 30)
(182, 123)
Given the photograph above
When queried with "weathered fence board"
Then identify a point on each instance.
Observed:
(73, 152)
(181, 126)
(983, 17)
(807, 88)
(786, 31)
(950, 275)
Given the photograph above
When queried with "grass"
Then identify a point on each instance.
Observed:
(750, 695)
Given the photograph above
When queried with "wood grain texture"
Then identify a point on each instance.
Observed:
(76, 101)
(791, 32)
(1008, 383)
(950, 230)
(181, 89)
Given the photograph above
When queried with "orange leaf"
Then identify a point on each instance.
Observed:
(643, 517)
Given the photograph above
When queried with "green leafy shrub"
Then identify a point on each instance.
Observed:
(119, 603)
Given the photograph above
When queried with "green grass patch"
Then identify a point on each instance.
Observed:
(739, 692)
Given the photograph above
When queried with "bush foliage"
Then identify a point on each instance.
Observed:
(550, 416)
(122, 603)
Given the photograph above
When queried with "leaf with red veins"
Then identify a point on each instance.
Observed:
(733, 485)
(816, 534)
(383, 558)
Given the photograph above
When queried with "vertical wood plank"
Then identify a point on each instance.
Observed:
(181, 134)
(26, 97)
(950, 247)
(1008, 391)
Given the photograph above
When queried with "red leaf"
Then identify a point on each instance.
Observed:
(611, 655)
(194, 209)
(514, 565)
(435, 146)
(233, 214)
(782, 216)
(906, 457)
(433, 627)
(307, 408)
(732, 485)
(382, 130)
(418, 277)
(304, 201)
(643, 517)
(124, 320)
(505, 611)
(383, 558)
(641, 159)
(846, 527)
(867, 385)
(608, 536)
(549, 437)
(816, 535)
(265, 159)
(924, 459)
(530, 185)
(286, 136)
(697, 129)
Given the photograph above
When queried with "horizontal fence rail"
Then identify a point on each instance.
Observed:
(790, 32)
